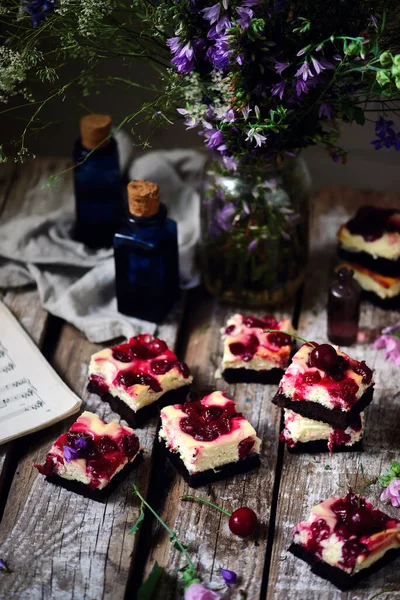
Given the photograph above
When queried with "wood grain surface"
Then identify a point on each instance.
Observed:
(62, 546)
(309, 479)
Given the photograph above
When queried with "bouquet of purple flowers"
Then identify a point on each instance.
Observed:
(258, 77)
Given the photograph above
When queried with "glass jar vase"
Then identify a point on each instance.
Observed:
(254, 231)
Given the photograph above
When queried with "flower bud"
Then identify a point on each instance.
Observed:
(396, 60)
(386, 59)
(383, 77)
(396, 71)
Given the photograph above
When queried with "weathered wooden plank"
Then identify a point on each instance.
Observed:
(22, 194)
(77, 548)
(304, 481)
(211, 545)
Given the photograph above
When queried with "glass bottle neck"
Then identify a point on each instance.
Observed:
(152, 221)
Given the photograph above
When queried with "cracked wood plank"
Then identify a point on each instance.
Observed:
(305, 481)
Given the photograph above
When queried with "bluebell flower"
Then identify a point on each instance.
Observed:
(183, 55)
(304, 71)
(211, 14)
(326, 110)
(245, 17)
(38, 10)
(281, 66)
(278, 89)
(387, 137)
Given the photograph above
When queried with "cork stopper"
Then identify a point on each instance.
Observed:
(143, 198)
(95, 130)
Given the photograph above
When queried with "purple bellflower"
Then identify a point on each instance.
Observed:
(228, 576)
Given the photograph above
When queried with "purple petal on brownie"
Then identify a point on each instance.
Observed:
(70, 454)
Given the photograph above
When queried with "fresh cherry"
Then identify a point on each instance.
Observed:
(230, 329)
(160, 367)
(243, 522)
(183, 368)
(359, 520)
(324, 357)
(158, 346)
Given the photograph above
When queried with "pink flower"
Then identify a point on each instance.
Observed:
(197, 591)
(392, 493)
(392, 345)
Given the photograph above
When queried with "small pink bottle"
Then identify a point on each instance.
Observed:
(344, 308)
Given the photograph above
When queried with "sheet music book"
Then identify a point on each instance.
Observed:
(32, 395)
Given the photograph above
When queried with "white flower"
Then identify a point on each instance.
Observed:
(257, 137)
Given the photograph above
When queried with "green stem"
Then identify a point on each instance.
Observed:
(204, 501)
(173, 535)
(380, 594)
(297, 337)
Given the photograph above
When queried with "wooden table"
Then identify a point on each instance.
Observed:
(62, 546)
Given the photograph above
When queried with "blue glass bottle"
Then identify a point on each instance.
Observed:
(98, 188)
(146, 256)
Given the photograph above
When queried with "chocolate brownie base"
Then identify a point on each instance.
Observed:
(386, 304)
(97, 495)
(322, 446)
(383, 266)
(243, 375)
(336, 417)
(339, 578)
(195, 480)
(140, 418)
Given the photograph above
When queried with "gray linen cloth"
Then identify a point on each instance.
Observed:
(76, 283)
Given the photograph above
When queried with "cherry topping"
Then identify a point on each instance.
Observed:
(206, 423)
(319, 530)
(160, 367)
(247, 350)
(279, 339)
(263, 323)
(184, 369)
(365, 371)
(351, 551)
(142, 352)
(324, 357)
(130, 445)
(158, 346)
(47, 468)
(122, 356)
(312, 377)
(97, 385)
(245, 447)
(359, 520)
(230, 329)
(128, 379)
(243, 522)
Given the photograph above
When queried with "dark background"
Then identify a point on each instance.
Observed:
(366, 168)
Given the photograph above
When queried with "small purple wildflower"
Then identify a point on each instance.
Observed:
(391, 343)
(183, 55)
(259, 139)
(230, 163)
(245, 17)
(246, 110)
(70, 454)
(214, 138)
(250, 248)
(38, 10)
(211, 14)
(228, 576)
(301, 87)
(251, 3)
(387, 137)
(229, 116)
(81, 444)
(392, 493)
(281, 66)
(392, 329)
(3, 566)
(374, 21)
(304, 71)
(225, 216)
(279, 89)
(326, 110)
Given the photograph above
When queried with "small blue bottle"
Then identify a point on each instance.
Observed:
(98, 188)
(146, 256)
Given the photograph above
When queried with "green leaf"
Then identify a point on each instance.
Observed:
(148, 587)
(139, 520)
(393, 473)
(327, 468)
(359, 116)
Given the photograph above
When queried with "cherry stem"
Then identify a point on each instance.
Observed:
(173, 537)
(297, 337)
(204, 501)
